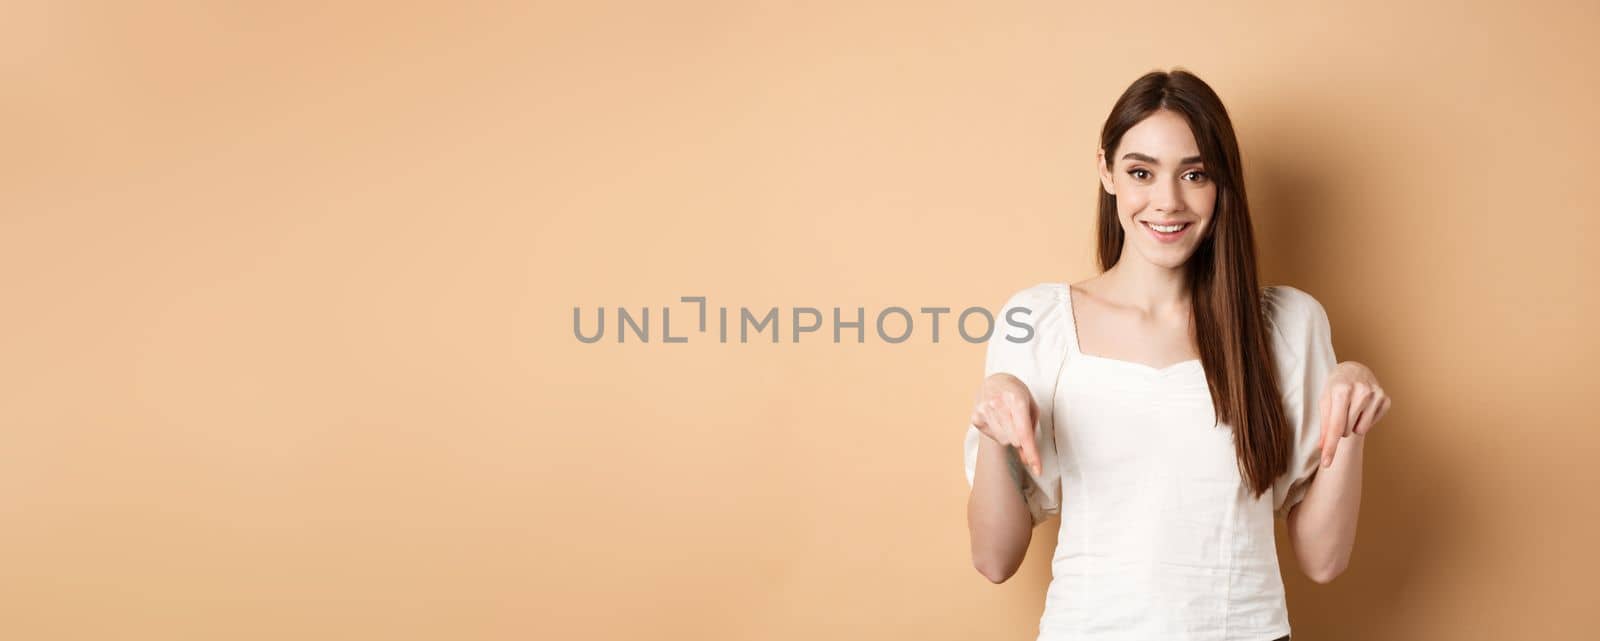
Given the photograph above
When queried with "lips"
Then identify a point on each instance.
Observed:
(1167, 237)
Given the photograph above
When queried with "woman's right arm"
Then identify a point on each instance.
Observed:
(997, 517)
(997, 514)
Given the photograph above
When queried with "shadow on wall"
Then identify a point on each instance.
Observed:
(1299, 203)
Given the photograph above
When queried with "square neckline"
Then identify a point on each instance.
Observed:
(1072, 315)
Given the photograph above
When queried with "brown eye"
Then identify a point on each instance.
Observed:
(1197, 176)
(1139, 173)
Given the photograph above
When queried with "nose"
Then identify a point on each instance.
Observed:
(1168, 198)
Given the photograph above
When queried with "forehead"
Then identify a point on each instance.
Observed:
(1164, 135)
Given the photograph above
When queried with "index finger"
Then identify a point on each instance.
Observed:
(1030, 453)
(1335, 411)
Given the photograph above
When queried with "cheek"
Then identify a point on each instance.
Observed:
(1204, 205)
(1130, 197)
(1203, 201)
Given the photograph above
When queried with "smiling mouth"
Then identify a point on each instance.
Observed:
(1166, 229)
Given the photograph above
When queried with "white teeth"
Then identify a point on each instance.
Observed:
(1167, 228)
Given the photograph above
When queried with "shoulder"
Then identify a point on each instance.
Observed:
(1028, 338)
(1039, 295)
(1035, 301)
(1288, 308)
(1297, 324)
(1032, 317)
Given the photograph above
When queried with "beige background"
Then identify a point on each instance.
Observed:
(286, 346)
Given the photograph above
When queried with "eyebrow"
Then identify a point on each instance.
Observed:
(1141, 157)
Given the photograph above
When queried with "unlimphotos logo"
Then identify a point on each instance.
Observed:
(893, 324)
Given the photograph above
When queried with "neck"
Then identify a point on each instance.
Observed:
(1151, 288)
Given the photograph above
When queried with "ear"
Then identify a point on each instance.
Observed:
(1105, 172)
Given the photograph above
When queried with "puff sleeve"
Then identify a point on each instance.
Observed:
(1035, 358)
(1303, 345)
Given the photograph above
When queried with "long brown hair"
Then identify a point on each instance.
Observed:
(1228, 321)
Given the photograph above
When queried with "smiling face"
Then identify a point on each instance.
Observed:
(1160, 184)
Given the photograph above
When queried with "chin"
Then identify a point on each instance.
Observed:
(1169, 260)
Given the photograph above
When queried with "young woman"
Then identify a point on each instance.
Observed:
(1169, 408)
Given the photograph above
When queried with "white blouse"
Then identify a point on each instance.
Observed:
(1160, 538)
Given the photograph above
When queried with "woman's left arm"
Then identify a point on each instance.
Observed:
(1322, 526)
